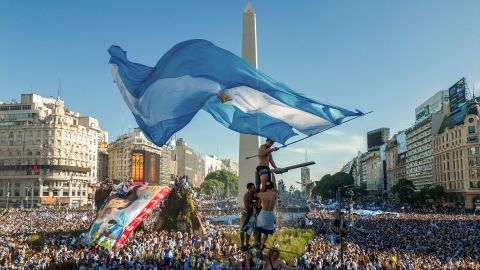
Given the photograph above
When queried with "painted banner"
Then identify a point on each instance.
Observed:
(142, 215)
(124, 210)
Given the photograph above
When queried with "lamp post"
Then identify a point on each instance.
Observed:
(340, 228)
(8, 192)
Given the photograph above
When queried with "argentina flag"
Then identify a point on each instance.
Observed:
(196, 74)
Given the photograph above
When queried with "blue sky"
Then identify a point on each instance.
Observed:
(385, 56)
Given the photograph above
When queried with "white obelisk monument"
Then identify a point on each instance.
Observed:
(249, 144)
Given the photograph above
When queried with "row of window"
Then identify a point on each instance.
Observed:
(15, 107)
(16, 193)
(15, 116)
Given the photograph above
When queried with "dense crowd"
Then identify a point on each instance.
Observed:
(395, 241)
(402, 241)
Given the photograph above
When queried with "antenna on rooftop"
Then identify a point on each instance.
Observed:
(59, 88)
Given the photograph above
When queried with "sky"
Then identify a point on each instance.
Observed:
(384, 56)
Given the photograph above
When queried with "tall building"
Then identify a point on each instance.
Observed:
(230, 165)
(373, 171)
(249, 144)
(102, 170)
(429, 116)
(377, 138)
(212, 163)
(456, 155)
(361, 179)
(190, 163)
(133, 156)
(395, 158)
(47, 153)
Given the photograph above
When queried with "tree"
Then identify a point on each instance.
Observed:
(328, 185)
(405, 190)
(211, 186)
(429, 195)
(223, 177)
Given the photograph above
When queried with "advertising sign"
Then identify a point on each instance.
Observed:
(456, 95)
(423, 113)
(47, 200)
(137, 166)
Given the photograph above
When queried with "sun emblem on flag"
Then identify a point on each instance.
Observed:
(223, 98)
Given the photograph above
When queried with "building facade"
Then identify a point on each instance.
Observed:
(456, 155)
(231, 165)
(133, 156)
(395, 158)
(419, 158)
(376, 138)
(102, 170)
(48, 154)
(373, 171)
(428, 119)
(190, 163)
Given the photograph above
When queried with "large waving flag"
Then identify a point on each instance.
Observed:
(196, 74)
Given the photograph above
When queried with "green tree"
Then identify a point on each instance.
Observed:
(223, 177)
(210, 186)
(405, 190)
(328, 185)
(429, 195)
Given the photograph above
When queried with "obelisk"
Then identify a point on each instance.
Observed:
(249, 144)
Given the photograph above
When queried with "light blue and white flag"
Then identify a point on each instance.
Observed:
(196, 74)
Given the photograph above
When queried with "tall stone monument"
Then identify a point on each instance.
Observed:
(249, 144)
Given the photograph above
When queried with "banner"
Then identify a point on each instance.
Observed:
(456, 95)
(142, 215)
(124, 210)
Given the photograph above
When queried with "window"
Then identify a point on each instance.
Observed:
(471, 120)
(471, 129)
(472, 138)
(45, 193)
(65, 193)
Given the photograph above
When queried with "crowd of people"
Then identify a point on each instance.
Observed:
(394, 241)
(400, 241)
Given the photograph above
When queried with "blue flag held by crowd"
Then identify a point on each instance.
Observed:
(196, 74)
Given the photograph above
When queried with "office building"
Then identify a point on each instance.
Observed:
(133, 157)
(48, 154)
(377, 138)
(456, 155)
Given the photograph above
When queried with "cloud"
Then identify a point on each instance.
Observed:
(336, 142)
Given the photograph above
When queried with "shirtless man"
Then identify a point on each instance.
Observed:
(264, 178)
(266, 218)
(248, 205)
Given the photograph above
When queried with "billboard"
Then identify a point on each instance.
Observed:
(456, 95)
(137, 166)
(145, 166)
(152, 168)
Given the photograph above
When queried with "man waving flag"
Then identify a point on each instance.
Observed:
(196, 74)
